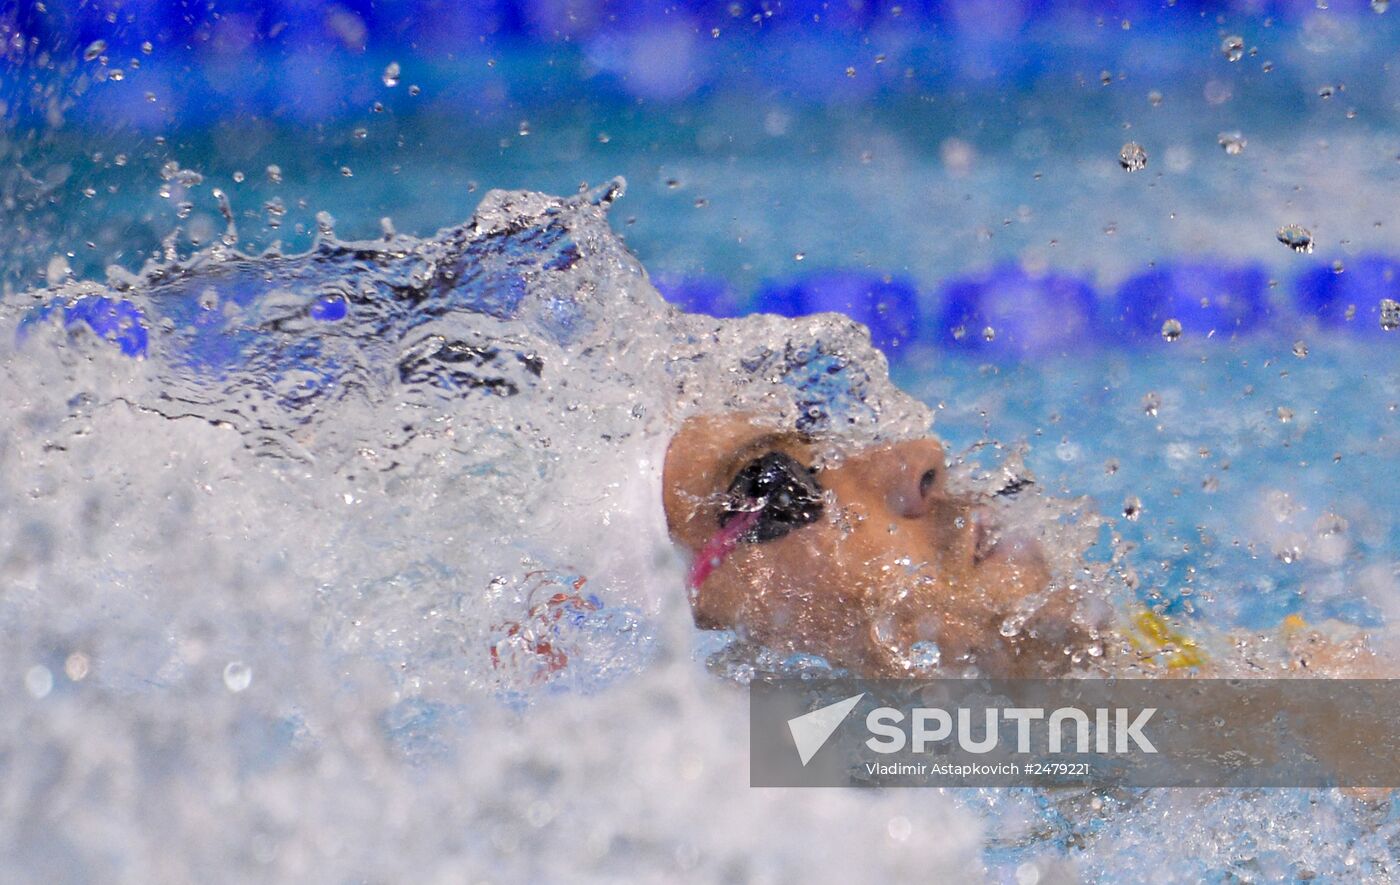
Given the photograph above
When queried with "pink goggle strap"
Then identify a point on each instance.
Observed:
(721, 544)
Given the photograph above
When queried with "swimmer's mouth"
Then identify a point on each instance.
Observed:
(987, 533)
(986, 537)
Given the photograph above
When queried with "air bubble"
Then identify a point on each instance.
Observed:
(1390, 314)
(1300, 349)
(1296, 237)
(95, 48)
(1171, 330)
(1232, 47)
(391, 74)
(1012, 626)
(925, 655)
(237, 676)
(1379, 6)
(1132, 157)
(1233, 143)
(76, 667)
(38, 680)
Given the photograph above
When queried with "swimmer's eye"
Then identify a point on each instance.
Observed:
(785, 493)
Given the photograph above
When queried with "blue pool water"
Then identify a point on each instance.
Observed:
(281, 571)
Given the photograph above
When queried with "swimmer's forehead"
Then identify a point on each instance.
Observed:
(727, 441)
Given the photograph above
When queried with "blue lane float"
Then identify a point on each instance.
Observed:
(889, 306)
(1208, 300)
(708, 295)
(1007, 311)
(111, 319)
(1350, 300)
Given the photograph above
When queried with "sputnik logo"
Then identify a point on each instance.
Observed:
(811, 731)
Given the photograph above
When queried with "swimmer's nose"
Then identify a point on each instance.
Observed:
(911, 477)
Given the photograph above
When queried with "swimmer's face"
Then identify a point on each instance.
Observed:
(853, 555)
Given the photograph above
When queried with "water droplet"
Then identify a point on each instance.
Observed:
(1105, 77)
(1390, 314)
(1379, 6)
(1132, 157)
(1132, 509)
(989, 334)
(38, 680)
(346, 172)
(850, 72)
(274, 174)
(1012, 626)
(76, 667)
(1151, 403)
(1296, 237)
(275, 209)
(1154, 98)
(147, 48)
(925, 655)
(523, 128)
(360, 133)
(1326, 92)
(238, 177)
(414, 89)
(95, 48)
(237, 676)
(1232, 47)
(391, 74)
(1233, 142)
(799, 256)
(1171, 330)
(1300, 349)
(1285, 414)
